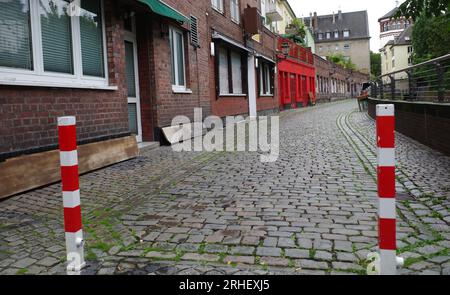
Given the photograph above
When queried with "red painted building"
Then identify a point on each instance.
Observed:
(296, 75)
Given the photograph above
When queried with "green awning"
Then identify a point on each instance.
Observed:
(163, 9)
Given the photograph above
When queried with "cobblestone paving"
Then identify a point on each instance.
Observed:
(311, 212)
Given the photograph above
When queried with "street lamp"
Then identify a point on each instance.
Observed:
(285, 48)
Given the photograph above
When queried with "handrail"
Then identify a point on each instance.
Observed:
(444, 57)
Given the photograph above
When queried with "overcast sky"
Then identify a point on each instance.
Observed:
(375, 10)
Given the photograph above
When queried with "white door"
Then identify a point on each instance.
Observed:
(132, 79)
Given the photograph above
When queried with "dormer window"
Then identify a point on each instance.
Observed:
(336, 34)
(320, 36)
(346, 33)
(328, 35)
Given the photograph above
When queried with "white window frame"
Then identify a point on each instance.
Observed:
(229, 61)
(39, 77)
(336, 33)
(177, 87)
(217, 5)
(262, 72)
(234, 8)
(328, 35)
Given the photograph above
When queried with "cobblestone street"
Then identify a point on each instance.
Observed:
(314, 211)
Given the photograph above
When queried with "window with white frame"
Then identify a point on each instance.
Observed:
(230, 73)
(336, 34)
(177, 59)
(266, 78)
(346, 33)
(328, 35)
(42, 42)
(320, 36)
(217, 5)
(235, 11)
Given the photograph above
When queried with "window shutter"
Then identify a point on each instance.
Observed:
(216, 71)
(56, 36)
(236, 68)
(244, 73)
(258, 79)
(15, 35)
(272, 80)
(91, 35)
(224, 81)
(194, 31)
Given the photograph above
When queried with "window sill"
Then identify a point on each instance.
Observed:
(232, 95)
(218, 10)
(14, 82)
(181, 90)
(266, 95)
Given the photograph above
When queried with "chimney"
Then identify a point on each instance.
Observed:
(340, 15)
(315, 21)
(310, 20)
(334, 18)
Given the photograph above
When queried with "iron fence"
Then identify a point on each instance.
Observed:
(428, 82)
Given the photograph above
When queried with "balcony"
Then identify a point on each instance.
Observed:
(295, 51)
(273, 12)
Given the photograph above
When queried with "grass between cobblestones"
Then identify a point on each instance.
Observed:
(437, 237)
(105, 228)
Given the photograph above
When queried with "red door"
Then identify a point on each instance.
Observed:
(304, 91)
(293, 90)
(281, 92)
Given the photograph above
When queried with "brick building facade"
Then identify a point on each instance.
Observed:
(126, 68)
(336, 82)
(109, 63)
(29, 109)
(227, 34)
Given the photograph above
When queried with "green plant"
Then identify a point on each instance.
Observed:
(343, 61)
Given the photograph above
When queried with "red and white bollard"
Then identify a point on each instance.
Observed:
(386, 190)
(71, 193)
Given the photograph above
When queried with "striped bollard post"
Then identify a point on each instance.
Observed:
(71, 193)
(386, 189)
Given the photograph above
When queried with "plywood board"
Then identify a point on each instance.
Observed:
(31, 171)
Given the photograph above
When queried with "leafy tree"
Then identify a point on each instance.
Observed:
(296, 31)
(299, 26)
(431, 37)
(375, 64)
(342, 61)
(428, 8)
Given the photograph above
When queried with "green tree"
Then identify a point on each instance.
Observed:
(430, 37)
(343, 61)
(296, 31)
(428, 8)
(375, 64)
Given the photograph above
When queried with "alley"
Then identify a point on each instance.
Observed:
(314, 211)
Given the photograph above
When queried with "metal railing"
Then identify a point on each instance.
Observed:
(426, 82)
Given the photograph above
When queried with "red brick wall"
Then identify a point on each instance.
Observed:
(325, 69)
(146, 75)
(222, 23)
(28, 114)
(168, 103)
(268, 48)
